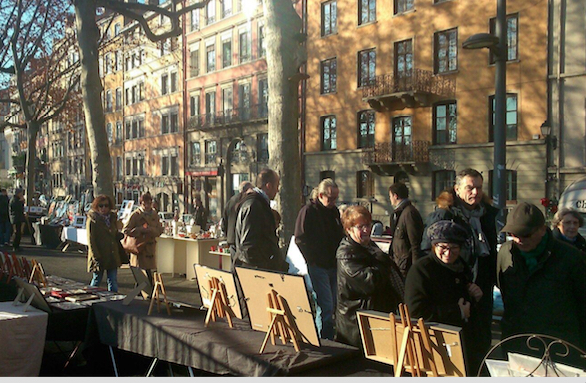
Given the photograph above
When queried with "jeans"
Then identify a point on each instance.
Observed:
(5, 231)
(111, 275)
(325, 287)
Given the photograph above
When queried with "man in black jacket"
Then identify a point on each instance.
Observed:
(17, 217)
(229, 217)
(406, 227)
(318, 232)
(257, 244)
(5, 226)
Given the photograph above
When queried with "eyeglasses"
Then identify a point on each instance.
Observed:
(445, 248)
(366, 226)
(103, 205)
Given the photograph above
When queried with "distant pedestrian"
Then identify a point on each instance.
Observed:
(17, 217)
(103, 242)
(406, 228)
(5, 225)
(565, 225)
(229, 217)
(200, 214)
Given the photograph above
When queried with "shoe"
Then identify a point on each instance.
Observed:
(16, 249)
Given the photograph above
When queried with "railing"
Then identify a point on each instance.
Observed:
(229, 117)
(386, 153)
(417, 80)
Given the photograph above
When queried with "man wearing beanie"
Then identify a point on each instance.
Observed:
(542, 282)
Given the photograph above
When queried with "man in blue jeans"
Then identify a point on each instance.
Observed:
(318, 232)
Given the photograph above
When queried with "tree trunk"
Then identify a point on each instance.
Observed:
(284, 57)
(91, 87)
(31, 159)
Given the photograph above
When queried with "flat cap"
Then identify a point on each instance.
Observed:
(524, 219)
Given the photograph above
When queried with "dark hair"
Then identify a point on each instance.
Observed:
(266, 176)
(352, 213)
(146, 197)
(400, 189)
(99, 199)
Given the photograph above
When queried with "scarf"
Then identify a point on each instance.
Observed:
(481, 247)
(106, 219)
(531, 257)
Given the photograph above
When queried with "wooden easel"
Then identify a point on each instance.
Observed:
(219, 307)
(417, 353)
(282, 322)
(158, 285)
(37, 275)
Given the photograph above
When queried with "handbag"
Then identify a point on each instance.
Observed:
(133, 245)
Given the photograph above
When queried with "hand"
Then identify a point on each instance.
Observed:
(464, 309)
(475, 291)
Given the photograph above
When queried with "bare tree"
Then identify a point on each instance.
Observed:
(33, 52)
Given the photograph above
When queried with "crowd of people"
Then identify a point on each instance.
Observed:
(444, 267)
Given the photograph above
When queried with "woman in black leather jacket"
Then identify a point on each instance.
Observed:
(368, 279)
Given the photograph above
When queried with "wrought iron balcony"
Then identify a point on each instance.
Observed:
(386, 157)
(255, 113)
(418, 88)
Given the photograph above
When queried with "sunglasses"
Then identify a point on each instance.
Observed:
(103, 205)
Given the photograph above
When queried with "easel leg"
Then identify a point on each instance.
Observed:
(113, 361)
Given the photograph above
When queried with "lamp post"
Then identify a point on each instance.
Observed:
(498, 47)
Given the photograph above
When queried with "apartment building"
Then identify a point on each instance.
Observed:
(392, 96)
(226, 96)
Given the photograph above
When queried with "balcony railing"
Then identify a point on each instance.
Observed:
(417, 81)
(387, 153)
(229, 117)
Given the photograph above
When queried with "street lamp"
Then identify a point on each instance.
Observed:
(498, 47)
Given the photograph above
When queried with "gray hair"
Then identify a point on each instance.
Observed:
(559, 216)
(468, 172)
(325, 184)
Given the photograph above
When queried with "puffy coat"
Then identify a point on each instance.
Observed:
(103, 243)
(257, 244)
(364, 283)
(151, 229)
(551, 300)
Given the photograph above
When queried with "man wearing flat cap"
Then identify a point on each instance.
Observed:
(542, 281)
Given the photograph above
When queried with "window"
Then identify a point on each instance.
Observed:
(226, 52)
(510, 119)
(366, 67)
(226, 8)
(366, 125)
(194, 105)
(329, 18)
(328, 130)
(211, 151)
(244, 45)
(119, 170)
(263, 97)
(164, 83)
(110, 132)
(108, 101)
(404, 63)
(364, 184)
(118, 98)
(442, 180)
(211, 58)
(239, 155)
(263, 148)
(173, 82)
(328, 76)
(446, 51)
(327, 174)
(194, 20)
(116, 29)
(227, 102)
(210, 104)
(366, 11)
(511, 185)
(512, 37)
(195, 154)
(401, 146)
(211, 12)
(445, 126)
(244, 101)
(119, 137)
(108, 63)
(262, 46)
(402, 6)
(169, 166)
(194, 63)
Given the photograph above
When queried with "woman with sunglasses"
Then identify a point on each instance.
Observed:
(367, 278)
(104, 251)
(438, 287)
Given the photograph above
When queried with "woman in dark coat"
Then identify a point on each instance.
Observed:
(565, 225)
(103, 242)
(438, 287)
(367, 278)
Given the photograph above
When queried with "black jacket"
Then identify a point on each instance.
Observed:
(229, 218)
(580, 242)
(364, 283)
(16, 210)
(551, 300)
(4, 207)
(318, 232)
(407, 228)
(257, 244)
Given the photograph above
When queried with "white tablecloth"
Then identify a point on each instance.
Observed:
(74, 234)
(22, 336)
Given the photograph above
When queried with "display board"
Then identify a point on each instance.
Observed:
(378, 344)
(258, 284)
(30, 289)
(204, 274)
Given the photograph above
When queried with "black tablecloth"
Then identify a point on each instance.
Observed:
(183, 339)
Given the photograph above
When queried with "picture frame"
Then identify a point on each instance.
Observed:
(204, 274)
(79, 221)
